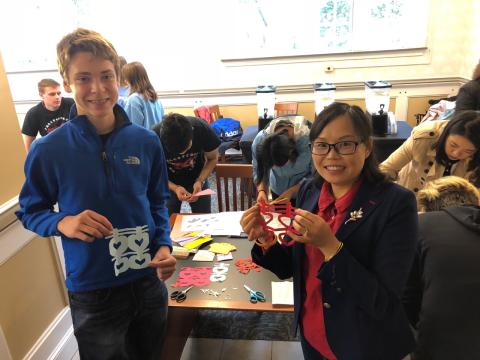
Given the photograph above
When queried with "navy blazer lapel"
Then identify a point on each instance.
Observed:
(367, 199)
(311, 200)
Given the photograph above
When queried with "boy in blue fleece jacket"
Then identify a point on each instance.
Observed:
(110, 181)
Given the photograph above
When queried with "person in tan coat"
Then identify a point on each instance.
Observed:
(436, 149)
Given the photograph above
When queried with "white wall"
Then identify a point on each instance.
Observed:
(190, 43)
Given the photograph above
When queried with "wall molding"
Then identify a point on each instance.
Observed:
(7, 213)
(287, 89)
(4, 350)
(57, 342)
(401, 90)
(296, 88)
(12, 239)
(304, 92)
(351, 59)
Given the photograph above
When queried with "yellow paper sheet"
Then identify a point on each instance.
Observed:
(196, 243)
(221, 248)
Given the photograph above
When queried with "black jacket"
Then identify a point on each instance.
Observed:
(442, 297)
(468, 96)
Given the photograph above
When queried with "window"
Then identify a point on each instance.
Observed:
(31, 30)
(267, 28)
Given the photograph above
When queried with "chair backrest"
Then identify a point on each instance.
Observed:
(235, 187)
(208, 113)
(215, 112)
(286, 108)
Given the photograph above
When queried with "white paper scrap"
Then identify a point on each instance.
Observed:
(282, 293)
(222, 257)
(204, 255)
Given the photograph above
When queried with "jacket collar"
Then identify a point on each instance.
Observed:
(121, 119)
(367, 199)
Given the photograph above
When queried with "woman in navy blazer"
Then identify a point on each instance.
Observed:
(353, 247)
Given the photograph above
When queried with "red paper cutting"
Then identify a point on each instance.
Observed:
(245, 265)
(197, 276)
(286, 213)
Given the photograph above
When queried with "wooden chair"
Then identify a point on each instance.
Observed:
(282, 109)
(231, 175)
(215, 112)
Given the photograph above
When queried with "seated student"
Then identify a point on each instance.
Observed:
(49, 114)
(109, 180)
(436, 149)
(191, 150)
(443, 292)
(142, 105)
(281, 159)
(468, 97)
(354, 246)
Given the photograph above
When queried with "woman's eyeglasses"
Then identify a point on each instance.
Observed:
(341, 147)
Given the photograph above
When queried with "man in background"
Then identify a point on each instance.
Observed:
(51, 113)
(191, 151)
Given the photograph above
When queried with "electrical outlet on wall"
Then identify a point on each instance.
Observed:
(329, 69)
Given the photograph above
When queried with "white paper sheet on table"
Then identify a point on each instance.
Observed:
(222, 257)
(282, 293)
(204, 255)
(224, 223)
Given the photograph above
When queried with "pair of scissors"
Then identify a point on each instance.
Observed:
(255, 296)
(180, 296)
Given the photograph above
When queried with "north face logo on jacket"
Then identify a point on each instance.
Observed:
(132, 160)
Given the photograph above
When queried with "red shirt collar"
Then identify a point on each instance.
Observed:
(326, 198)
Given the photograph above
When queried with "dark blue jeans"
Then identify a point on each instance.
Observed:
(125, 322)
(202, 206)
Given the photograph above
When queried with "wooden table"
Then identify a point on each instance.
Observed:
(181, 316)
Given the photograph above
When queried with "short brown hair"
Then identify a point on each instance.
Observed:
(447, 191)
(84, 40)
(42, 84)
(121, 63)
(476, 72)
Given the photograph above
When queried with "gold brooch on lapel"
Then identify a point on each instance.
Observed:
(355, 215)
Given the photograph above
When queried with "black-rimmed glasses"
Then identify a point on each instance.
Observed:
(341, 147)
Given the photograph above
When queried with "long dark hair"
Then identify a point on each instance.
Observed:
(467, 124)
(275, 150)
(363, 129)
